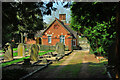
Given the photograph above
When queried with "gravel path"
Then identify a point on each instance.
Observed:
(79, 64)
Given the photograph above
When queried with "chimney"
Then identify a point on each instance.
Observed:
(62, 17)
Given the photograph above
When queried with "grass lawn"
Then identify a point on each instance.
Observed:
(1, 51)
(42, 53)
(21, 59)
(15, 53)
(14, 61)
(97, 67)
(15, 49)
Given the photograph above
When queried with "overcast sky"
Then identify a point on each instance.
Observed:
(60, 10)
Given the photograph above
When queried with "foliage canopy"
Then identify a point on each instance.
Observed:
(96, 21)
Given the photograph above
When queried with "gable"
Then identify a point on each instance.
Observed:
(56, 28)
(58, 23)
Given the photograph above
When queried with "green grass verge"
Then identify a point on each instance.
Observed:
(42, 53)
(1, 51)
(14, 61)
(2, 56)
(21, 59)
(15, 49)
(15, 53)
(97, 68)
(70, 71)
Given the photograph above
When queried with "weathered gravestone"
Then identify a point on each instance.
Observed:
(8, 52)
(34, 52)
(44, 60)
(60, 49)
(38, 47)
(21, 50)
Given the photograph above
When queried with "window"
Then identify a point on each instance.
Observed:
(62, 39)
(49, 39)
(74, 42)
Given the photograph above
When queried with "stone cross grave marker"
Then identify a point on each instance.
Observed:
(8, 52)
(21, 50)
(34, 52)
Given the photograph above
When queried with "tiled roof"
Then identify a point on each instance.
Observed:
(39, 33)
(74, 33)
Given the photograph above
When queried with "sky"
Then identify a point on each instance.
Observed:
(60, 10)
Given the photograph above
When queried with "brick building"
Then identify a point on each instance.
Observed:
(59, 31)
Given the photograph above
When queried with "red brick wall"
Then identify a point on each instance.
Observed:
(30, 41)
(70, 44)
(55, 32)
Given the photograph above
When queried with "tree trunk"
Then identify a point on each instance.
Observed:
(117, 54)
(21, 37)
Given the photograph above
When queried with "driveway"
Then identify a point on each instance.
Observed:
(79, 64)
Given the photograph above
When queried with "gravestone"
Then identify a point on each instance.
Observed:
(60, 49)
(57, 47)
(34, 53)
(21, 50)
(44, 60)
(8, 52)
(38, 47)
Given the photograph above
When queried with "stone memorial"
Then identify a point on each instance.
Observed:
(57, 47)
(8, 52)
(60, 49)
(34, 53)
(21, 50)
(38, 47)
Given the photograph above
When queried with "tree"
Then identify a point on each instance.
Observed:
(96, 21)
(25, 17)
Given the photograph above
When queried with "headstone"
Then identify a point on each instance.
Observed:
(60, 49)
(56, 47)
(8, 52)
(38, 48)
(34, 53)
(21, 49)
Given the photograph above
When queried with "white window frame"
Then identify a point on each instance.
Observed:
(63, 38)
(75, 43)
(49, 37)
